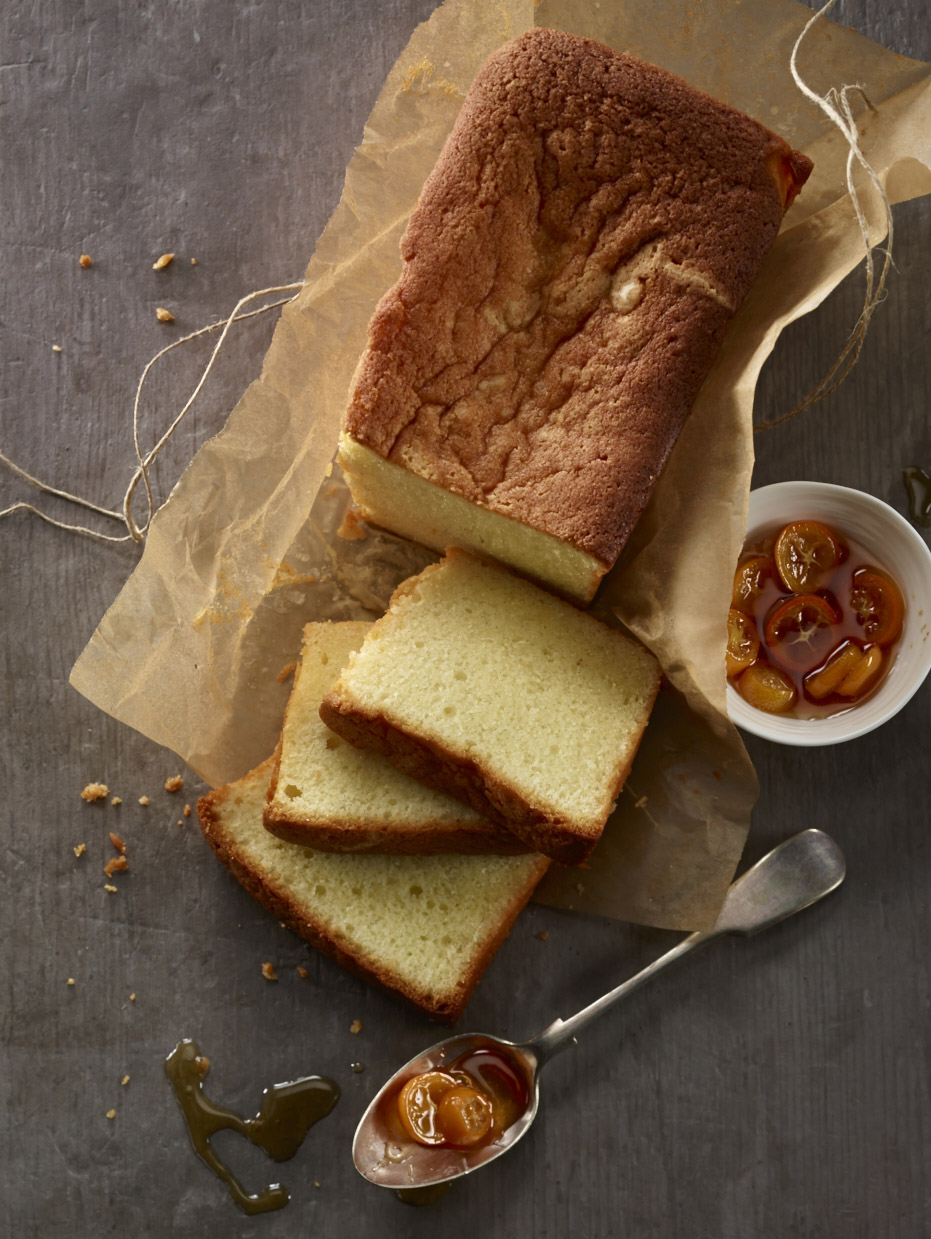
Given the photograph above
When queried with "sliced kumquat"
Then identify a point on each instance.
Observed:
(767, 688)
(743, 642)
(878, 604)
(464, 1116)
(864, 674)
(843, 662)
(749, 580)
(418, 1102)
(805, 553)
(800, 631)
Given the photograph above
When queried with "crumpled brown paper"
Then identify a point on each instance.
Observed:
(247, 548)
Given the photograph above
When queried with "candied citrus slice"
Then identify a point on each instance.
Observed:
(805, 552)
(863, 676)
(464, 1116)
(743, 643)
(878, 604)
(749, 580)
(417, 1105)
(842, 662)
(767, 688)
(800, 631)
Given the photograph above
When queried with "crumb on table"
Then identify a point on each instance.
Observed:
(144, 801)
(80, 849)
(116, 800)
(268, 972)
(117, 842)
(355, 1027)
(95, 791)
(187, 810)
(302, 972)
(111, 890)
(116, 864)
(174, 783)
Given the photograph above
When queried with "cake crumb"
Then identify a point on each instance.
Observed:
(70, 981)
(543, 935)
(85, 260)
(351, 528)
(164, 261)
(132, 997)
(116, 864)
(95, 791)
(144, 801)
(117, 842)
(316, 1184)
(193, 262)
(187, 810)
(174, 783)
(110, 889)
(111, 1114)
(80, 849)
(163, 315)
(268, 972)
(286, 672)
(115, 800)
(302, 972)
(355, 1027)
(124, 1081)
(56, 348)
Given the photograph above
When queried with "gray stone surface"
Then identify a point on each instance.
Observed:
(770, 1088)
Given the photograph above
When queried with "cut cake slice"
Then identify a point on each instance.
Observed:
(589, 229)
(478, 682)
(423, 927)
(328, 795)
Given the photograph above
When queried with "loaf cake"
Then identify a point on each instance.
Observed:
(328, 795)
(589, 229)
(423, 927)
(479, 683)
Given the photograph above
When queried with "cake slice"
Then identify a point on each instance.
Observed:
(328, 795)
(585, 237)
(423, 927)
(479, 683)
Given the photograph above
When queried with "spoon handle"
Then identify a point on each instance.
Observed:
(561, 1032)
(794, 875)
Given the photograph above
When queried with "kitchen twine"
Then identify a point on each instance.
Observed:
(834, 103)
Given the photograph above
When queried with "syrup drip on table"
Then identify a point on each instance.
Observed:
(287, 1113)
(918, 486)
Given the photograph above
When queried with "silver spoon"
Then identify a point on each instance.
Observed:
(791, 877)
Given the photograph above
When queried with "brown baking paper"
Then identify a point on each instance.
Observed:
(247, 547)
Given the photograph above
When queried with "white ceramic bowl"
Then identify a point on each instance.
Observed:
(902, 551)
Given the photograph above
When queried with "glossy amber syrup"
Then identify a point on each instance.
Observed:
(835, 586)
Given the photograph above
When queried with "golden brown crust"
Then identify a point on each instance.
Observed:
(504, 365)
(438, 766)
(277, 899)
(430, 836)
(423, 839)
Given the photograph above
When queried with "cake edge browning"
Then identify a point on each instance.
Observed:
(436, 765)
(366, 423)
(276, 899)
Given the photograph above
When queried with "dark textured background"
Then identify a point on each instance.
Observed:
(772, 1087)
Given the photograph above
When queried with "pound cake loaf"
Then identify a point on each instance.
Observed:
(328, 795)
(589, 229)
(479, 683)
(423, 927)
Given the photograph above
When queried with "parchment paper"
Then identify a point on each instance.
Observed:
(247, 547)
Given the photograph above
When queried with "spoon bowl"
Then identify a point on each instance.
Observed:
(403, 1164)
(791, 877)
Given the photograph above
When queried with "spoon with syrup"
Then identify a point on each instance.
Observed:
(793, 876)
